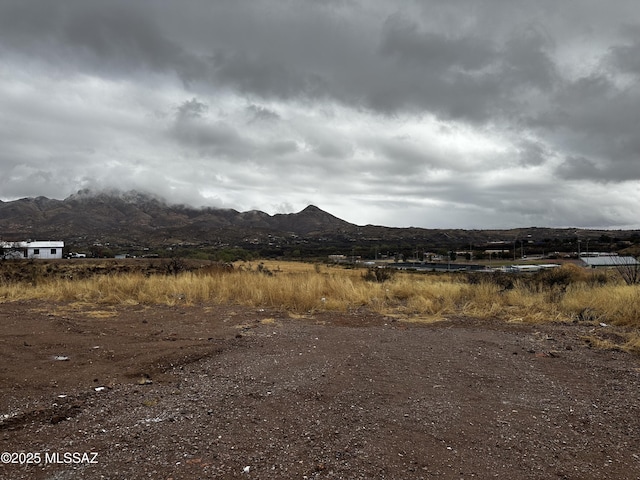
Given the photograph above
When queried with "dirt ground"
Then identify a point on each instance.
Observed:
(229, 392)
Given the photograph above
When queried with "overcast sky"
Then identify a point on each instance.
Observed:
(433, 113)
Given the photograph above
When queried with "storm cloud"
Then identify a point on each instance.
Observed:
(425, 113)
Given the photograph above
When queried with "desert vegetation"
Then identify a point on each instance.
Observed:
(566, 294)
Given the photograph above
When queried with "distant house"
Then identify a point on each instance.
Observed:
(42, 249)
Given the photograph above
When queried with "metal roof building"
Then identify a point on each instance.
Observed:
(609, 261)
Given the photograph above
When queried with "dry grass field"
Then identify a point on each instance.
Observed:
(567, 294)
(267, 370)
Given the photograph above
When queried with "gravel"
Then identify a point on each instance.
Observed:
(339, 395)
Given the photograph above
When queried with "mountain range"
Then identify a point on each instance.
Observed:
(134, 218)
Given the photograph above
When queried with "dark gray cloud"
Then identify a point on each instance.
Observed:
(213, 139)
(249, 73)
(526, 61)
(191, 109)
(580, 168)
(429, 50)
(259, 113)
(433, 113)
(118, 38)
(532, 153)
(626, 56)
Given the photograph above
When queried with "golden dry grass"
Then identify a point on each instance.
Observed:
(301, 288)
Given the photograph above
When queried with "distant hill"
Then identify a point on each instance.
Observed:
(134, 216)
(144, 220)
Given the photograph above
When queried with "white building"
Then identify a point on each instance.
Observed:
(609, 261)
(42, 249)
(530, 268)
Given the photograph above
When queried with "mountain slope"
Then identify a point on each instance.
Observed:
(310, 220)
(134, 216)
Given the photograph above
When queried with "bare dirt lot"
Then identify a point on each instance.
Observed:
(231, 392)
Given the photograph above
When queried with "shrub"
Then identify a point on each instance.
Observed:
(560, 277)
(505, 281)
(630, 272)
(175, 266)
(378, 274)
(261, 268)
